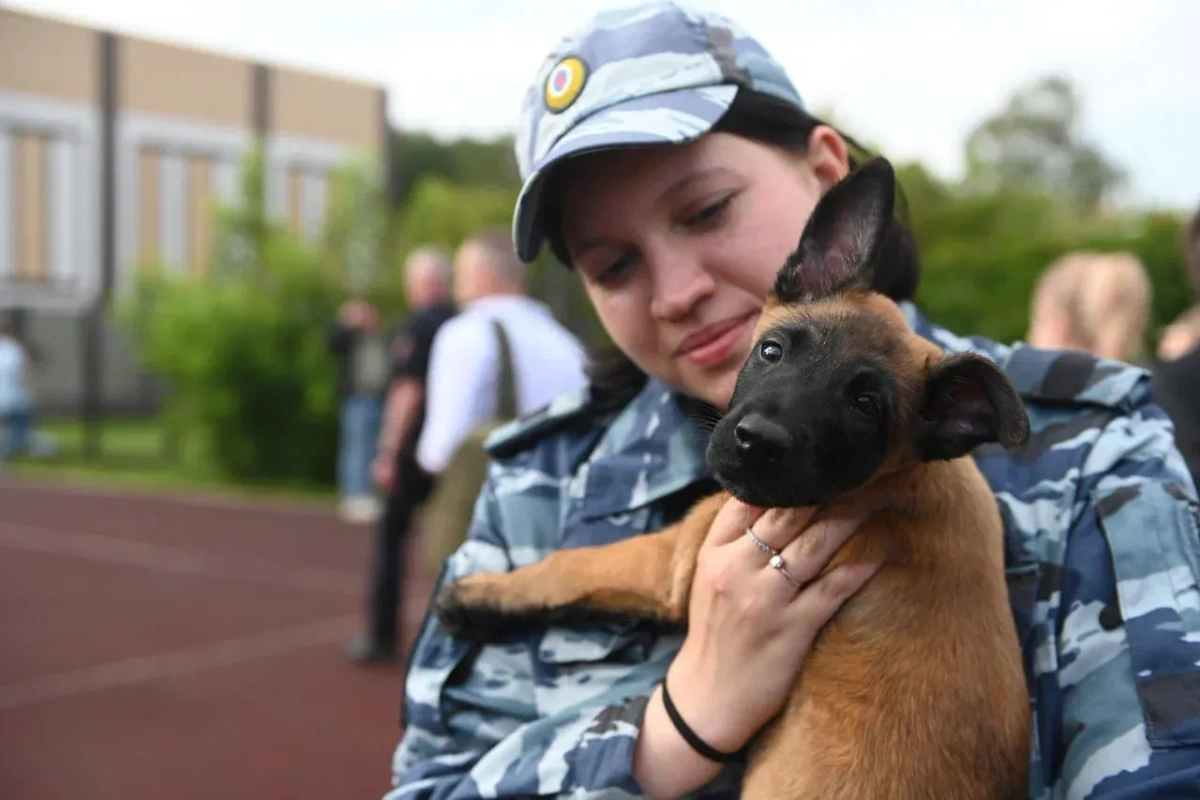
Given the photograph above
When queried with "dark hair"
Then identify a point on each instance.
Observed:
(765, 118)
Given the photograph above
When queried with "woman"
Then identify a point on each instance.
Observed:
(1091, 301)
(669, 162)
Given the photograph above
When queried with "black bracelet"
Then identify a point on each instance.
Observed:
(698, 744)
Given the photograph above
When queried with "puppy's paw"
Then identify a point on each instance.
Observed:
(464, 616)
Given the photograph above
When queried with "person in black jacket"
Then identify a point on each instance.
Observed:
(394, 467)
(1177, 374)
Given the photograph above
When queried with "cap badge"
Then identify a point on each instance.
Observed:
(564, 84)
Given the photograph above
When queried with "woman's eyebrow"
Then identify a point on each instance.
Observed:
(679, 185)
(593, 243)
(695, 176)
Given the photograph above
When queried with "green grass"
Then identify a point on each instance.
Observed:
(121, 438)
(137, 454)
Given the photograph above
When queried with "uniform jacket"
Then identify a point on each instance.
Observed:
(1102, 559)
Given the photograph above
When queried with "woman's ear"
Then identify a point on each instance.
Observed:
(827, 157)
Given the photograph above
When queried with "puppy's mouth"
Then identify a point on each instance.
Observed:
(769, 485)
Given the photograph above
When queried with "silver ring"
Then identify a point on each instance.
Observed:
(766, 548)
(776, 561)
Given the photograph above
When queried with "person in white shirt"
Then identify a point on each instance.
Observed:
(547, 360)
(16, 396)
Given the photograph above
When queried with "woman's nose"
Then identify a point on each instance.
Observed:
(679, 284)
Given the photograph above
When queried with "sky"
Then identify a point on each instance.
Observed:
(912, 78)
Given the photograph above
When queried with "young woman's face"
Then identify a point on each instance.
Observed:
(678, 247)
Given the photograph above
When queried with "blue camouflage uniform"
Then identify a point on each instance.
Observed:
(1099, 509)
(1103, 563)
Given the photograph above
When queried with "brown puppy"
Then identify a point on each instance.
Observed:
(916, 688)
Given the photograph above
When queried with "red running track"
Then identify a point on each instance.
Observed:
(176, 647)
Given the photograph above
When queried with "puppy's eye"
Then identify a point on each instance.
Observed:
(770, 351)
(865, 404)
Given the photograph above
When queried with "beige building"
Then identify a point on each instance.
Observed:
(111, 148)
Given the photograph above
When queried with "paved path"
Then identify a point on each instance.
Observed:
(176, 648)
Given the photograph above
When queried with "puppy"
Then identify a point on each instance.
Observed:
(915, 689)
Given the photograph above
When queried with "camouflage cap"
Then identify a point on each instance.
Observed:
(657, 73)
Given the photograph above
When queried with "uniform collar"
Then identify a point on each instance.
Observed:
(653, 448)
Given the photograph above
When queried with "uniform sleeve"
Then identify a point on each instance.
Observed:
(460, 390)
(1128, 631)
(472, 727)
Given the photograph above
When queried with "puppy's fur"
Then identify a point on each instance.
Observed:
(915, 689)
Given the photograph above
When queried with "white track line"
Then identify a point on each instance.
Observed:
(94, 547)
(181, 662)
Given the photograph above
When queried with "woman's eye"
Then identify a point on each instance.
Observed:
(711, 212)
(866, 405)
(615, 270)
(770, 351)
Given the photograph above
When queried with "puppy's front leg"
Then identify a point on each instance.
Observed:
(646, 577)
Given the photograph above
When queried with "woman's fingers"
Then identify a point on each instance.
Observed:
(807, 555)
(816, 604)
(778, 527)
(731, 522)
(805, 548)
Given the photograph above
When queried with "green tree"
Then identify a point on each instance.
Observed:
(417, 155)
(1034, 143)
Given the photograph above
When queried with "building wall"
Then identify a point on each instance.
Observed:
(181, 121)
(49, 83)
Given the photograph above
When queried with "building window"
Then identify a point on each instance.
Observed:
(199, 213)
(48, 209)
(148, 204)
(32, 198)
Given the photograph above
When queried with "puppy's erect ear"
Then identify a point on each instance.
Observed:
(967, 402)
(842, 236)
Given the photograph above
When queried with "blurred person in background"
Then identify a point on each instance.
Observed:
(360, 346)
(1177, 373)
(1183, 334)
(489, 284)
(1094, 302)
(1180, 337)
(504, 356)
(16, 392)
(669, 161)
(427, 282)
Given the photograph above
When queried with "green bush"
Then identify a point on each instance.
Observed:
(243, 349)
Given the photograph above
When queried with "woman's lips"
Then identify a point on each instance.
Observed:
(712, 344)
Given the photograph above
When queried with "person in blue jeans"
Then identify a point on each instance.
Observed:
(360, 345)
(16, 396)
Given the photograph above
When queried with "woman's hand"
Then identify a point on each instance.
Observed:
(749, 631)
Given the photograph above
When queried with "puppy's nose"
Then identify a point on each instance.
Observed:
(760, 437)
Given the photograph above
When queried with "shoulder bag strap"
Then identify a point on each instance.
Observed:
(506, 389)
